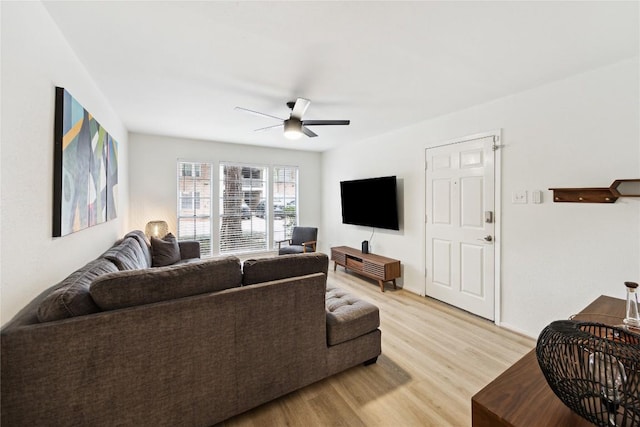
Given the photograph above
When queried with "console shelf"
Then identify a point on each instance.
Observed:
(376, 267)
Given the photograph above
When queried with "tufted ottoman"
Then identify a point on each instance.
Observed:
(348, 317)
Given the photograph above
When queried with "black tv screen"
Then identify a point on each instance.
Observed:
(370, 202)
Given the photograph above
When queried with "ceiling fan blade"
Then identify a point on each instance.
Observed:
(257, 113)
(268, 128)
(299, 108)
(325, 122)
(308, 132)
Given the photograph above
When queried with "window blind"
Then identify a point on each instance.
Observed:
(285, 202)
(244, 219)
(194, 204)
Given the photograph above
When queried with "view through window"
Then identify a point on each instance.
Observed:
(194, 204)
(257, 206)
(244, 221)
(285, 202)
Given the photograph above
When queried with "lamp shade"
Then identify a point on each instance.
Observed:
(594, 369)
(157, 229)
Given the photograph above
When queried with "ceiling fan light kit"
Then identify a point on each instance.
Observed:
(292, 129)
(294, 126)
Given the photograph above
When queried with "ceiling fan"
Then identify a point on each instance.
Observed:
(295, 126)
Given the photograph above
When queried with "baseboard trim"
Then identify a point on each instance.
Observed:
(518, 331)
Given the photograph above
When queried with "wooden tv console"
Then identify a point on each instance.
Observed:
(376, 267)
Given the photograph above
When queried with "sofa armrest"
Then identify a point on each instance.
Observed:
(189, 249)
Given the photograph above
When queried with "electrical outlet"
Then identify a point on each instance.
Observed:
(519, 197)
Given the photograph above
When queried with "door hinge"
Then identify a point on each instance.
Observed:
(496, 140)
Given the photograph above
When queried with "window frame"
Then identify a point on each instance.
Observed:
(263, 193)
(289, 221)
(255, 235)
(194, 198)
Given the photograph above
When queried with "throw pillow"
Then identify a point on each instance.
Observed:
(166, 251)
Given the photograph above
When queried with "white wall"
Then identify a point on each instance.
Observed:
(35, 59)
(556, 257)
(153, 182)
(581, 131)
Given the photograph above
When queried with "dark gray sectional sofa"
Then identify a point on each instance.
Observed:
(122, 343)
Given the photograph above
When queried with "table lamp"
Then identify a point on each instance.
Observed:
(157, 229)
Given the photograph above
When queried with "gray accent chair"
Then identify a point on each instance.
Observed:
(303, 240)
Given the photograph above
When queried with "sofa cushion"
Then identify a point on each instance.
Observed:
(127, 255)
(144, 243)
(165, 251)
(283, 267)
(348, 317)
(71, 297)
(131, 288)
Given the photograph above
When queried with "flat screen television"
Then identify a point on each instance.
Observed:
(370, 202)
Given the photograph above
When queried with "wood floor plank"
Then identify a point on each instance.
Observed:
(435, 357)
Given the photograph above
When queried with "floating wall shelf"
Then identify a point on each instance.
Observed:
(619, 188)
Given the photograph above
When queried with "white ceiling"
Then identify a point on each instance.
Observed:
(179, 68)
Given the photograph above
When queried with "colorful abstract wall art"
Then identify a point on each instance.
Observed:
(85, 168)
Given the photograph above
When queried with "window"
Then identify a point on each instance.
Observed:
(244, 221)
(191, 169)
(194, 204)
(252, 173)
(285, 202)
(257, 206)
(190, 200)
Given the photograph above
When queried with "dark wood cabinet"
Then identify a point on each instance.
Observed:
(521, 396)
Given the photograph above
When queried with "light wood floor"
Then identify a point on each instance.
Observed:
(434, 358)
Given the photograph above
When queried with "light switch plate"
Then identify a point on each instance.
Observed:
(536, 196)
(519, 197)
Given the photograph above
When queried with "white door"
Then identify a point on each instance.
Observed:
(460, 229)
